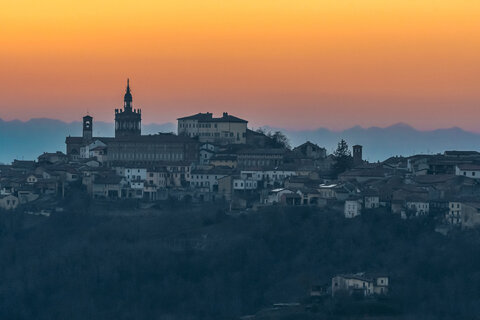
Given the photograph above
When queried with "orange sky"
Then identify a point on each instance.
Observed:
(292, 64)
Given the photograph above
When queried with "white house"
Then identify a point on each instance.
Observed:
(371, 200)
(32, 179)
(131, 174)
(157, 177)
(223, 130)
(419, 207)
(364, 284)
(137, 187)
(454, 215)
(270, 177)
(244, 184)
(352, 208)
(275, 195)
(468, 170)
(207, 179)
(327, 191)
(8, 202)
(99, 153)
(85, 150)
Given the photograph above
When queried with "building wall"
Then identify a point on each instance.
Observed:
(352, 208)
(221, 132)
(259, 160)
(244, 184)
(474, 174)
(454, 215)
(151, 152)
(372, 202)
(188, 127)
(9, 202)
(420, 208)
(205, 181)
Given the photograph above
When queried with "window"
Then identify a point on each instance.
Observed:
(473, 173)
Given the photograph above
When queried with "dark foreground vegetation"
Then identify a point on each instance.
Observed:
(190, 262)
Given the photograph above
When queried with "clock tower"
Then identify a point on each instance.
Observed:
(128, 121)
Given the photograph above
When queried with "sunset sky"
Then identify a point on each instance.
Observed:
(291, 64)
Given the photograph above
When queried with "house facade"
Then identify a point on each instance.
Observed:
(227, 129)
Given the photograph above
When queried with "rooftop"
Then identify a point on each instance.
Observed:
(208, 117)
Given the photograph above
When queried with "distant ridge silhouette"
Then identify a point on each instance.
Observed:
(29, 139)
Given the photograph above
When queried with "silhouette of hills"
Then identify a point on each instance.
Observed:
(29, 139)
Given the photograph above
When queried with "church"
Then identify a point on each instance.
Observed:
(129, 146)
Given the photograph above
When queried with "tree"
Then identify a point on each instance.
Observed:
(277, 139)
(343, 158)
(280, 139)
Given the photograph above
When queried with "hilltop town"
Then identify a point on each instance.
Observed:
(219, 159)
(222, 212)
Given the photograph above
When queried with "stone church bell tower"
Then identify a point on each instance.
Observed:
(87, 128)
(128, 121)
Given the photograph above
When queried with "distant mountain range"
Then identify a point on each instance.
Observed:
(29, 139)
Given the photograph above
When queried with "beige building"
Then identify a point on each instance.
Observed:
(224, 130)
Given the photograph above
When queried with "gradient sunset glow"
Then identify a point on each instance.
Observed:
(291, 64)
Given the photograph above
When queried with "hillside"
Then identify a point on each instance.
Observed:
(194, 262)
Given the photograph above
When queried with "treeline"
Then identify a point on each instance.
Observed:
(192, 263)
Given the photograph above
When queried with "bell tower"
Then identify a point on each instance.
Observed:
(87, 127)
(128, 122)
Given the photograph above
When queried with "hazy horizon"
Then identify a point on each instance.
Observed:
(311, 64)
(272, 126)
(27, 140)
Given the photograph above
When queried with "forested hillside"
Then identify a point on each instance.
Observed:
(190, 262)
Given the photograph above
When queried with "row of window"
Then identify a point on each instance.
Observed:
(241, 184)
(197, 125)
(12, 202)
(147, 156)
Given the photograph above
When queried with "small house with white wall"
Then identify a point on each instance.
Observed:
(468, 170)
(352, 208)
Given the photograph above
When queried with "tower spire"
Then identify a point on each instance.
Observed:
(128, 97)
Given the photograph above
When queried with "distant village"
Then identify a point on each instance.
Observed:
(219, 159)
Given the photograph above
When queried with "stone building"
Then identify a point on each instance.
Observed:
(224, 130)
(129, 147)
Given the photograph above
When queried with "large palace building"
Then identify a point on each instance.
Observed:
(129, 146)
